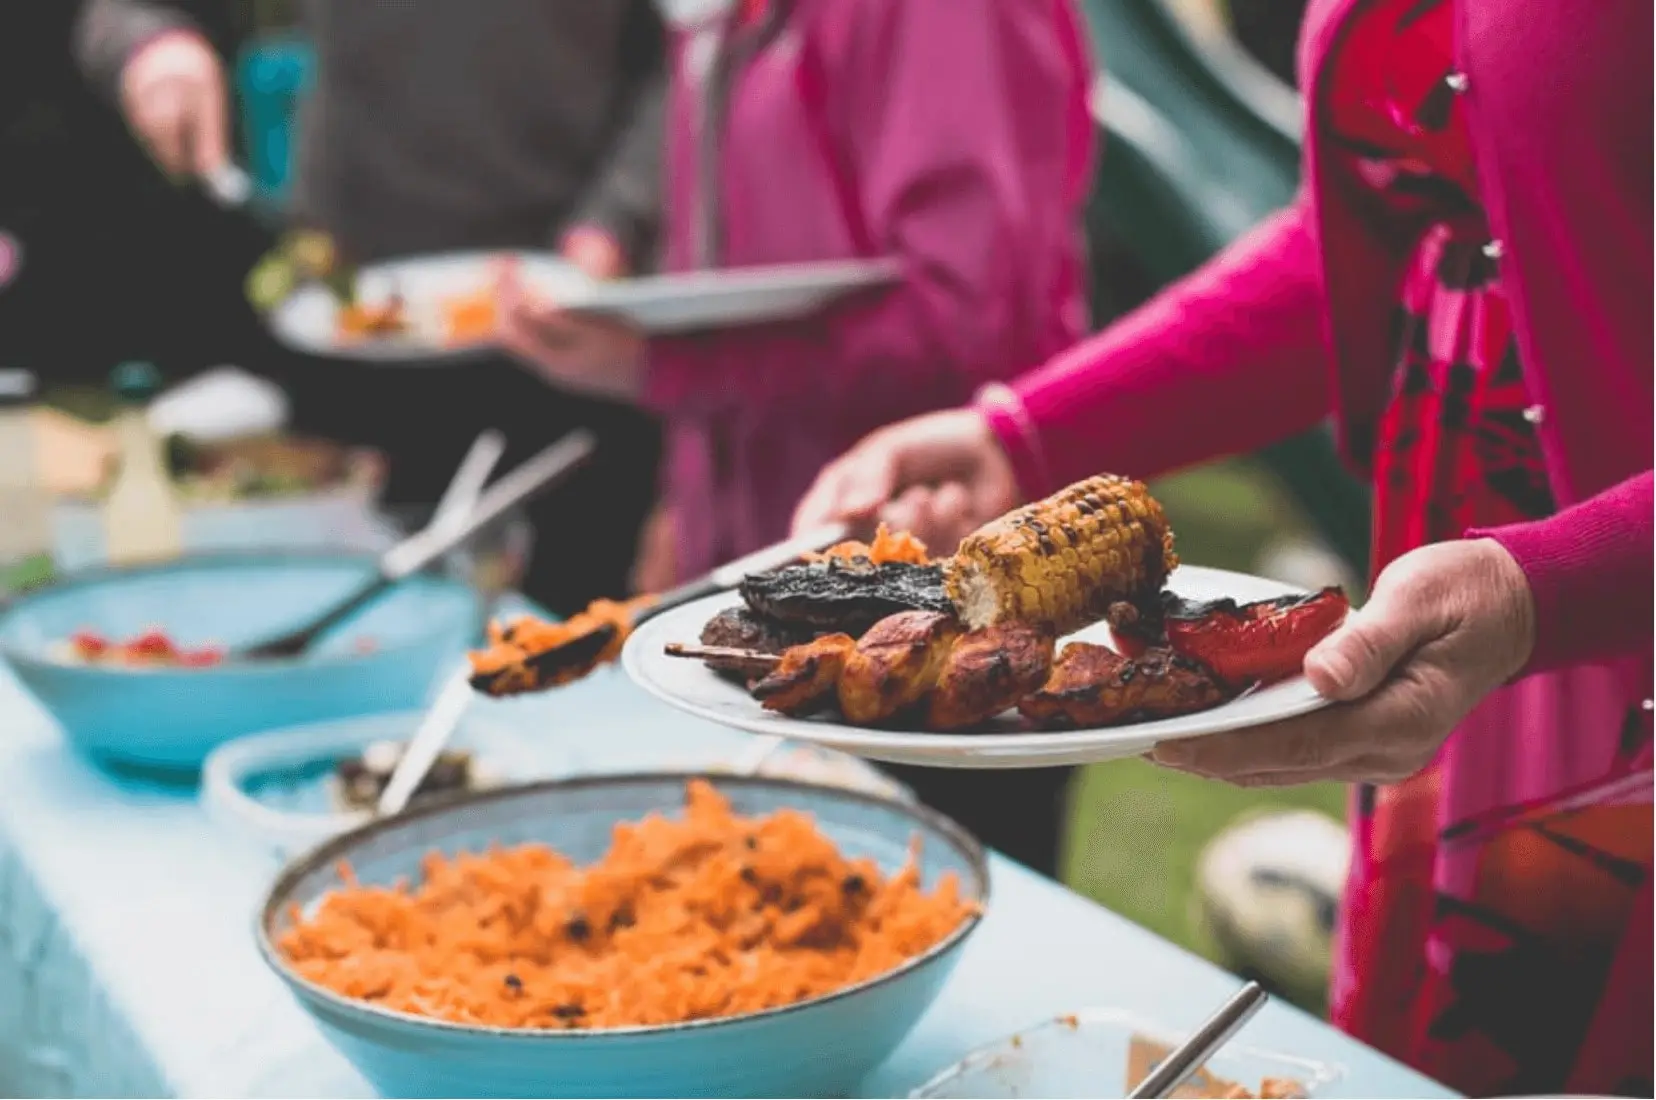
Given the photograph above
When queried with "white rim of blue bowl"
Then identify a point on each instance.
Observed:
(225, 772)
(211, 559)
(221, 778)
(331, 851)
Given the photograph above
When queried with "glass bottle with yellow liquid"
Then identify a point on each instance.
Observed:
(143, 521)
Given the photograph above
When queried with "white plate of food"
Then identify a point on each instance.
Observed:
(1002, 656)
(418, 310)
(434, 309)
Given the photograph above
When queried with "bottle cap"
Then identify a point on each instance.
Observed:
(135, 381)
(16, 386)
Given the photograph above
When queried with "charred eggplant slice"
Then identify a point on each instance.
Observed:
(846, 596)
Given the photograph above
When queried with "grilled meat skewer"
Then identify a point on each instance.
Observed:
(956, 684)
(895, 664)
(986, 673)
(1093, 686)
(807, 677)
(913, 663)
(740, 629)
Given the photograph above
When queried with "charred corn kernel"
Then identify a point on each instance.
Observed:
(1061, 562)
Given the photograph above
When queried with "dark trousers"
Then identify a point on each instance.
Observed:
(423, 418)
(1023, 814)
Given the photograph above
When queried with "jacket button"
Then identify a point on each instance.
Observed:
(1535, 414)
(1494, 250)
(1457, 82)
(1649, 704)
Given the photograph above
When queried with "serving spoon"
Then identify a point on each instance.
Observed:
(583, 649)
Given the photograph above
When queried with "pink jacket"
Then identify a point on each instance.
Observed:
(1293, 321)
(952, 135)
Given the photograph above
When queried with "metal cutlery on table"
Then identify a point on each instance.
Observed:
(466, 486)
(443, 716)
(1192, 1054)
(427, 744)
(551, 466)
(441, 720)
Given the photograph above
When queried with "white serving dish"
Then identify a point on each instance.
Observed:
(1103, 1053)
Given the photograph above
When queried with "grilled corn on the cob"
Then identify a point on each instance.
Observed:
(1061, 562)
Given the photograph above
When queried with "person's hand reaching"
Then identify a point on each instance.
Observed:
(595, 252)
(1445, 626)
(939, 476)
(173, 98)
(577, 351)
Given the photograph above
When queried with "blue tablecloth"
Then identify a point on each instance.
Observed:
(127, 965)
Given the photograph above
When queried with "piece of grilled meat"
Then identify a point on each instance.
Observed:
(986, 673)
(807, 678)
(1093, 686)
(740, 628)
(895, 664)
(844, 595)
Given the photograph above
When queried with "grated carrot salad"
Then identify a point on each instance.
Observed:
(512, 644)
(704, 916)
(886, 547)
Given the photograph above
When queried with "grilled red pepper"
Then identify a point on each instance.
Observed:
(1137, 630)
(1257, 642)
(1130, 642)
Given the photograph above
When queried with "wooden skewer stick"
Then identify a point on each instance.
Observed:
(720, 653)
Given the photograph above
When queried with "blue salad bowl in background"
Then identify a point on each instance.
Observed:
(386, 657)
(819, 1047)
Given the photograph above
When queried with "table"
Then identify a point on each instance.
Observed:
(127, 965)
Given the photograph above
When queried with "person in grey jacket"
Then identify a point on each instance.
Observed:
(436, 126)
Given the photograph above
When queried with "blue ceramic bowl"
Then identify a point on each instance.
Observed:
(820, 1047)
(171, 718)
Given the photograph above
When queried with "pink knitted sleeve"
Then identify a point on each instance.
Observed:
(1590, 569)
(1227, 360)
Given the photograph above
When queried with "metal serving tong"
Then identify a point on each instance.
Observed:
(441, 720)
(552, 466)
(586, 648)
(1192, 1054)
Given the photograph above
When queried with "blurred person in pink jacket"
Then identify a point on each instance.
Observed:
(952, 136)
